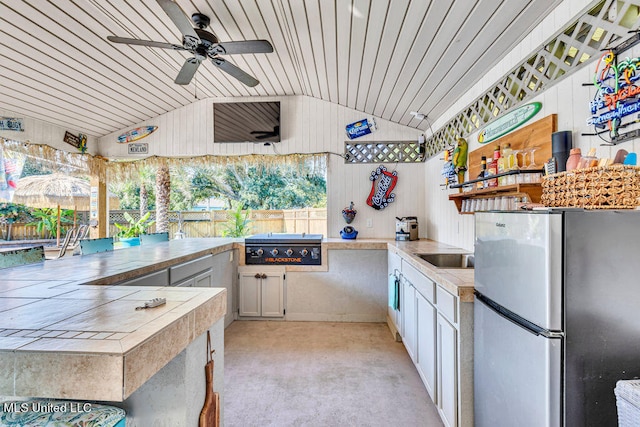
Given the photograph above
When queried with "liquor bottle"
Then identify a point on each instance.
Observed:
(483, 173)
(492, 168)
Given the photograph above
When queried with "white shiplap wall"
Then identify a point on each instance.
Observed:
(41, 132)
(568, 99)
(308, 125)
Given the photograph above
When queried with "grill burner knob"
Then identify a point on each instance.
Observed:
(274, 252)
(304, 252)
(260, 252)
(289, 252)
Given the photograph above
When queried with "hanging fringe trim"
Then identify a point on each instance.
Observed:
(124, 169)
(87, 164)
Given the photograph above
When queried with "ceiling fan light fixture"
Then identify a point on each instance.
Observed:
(202, 44)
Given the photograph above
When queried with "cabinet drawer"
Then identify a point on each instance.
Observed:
(422, 283)
(190, 268)
(159, 278)
(447, 305)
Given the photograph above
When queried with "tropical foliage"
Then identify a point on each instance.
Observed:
(239, 224)
(11, 213)
(273, 186)
(46, 220)
(134, 228)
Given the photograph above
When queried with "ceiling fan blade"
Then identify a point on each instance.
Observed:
(149, 43)
(247, 46)
(234, 71)
(178, 17)
(187, 71)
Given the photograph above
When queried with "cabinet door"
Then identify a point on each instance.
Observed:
(185, 284)
(272, 295)
(447, 372)
(250, 294)
(426, 345)
(203, 280)
(409, 325)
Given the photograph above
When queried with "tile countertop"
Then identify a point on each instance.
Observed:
(455, 280)
(66, 333)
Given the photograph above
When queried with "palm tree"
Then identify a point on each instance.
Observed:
(163, 192)
(146, 180)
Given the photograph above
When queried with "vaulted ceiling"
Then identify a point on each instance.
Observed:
(383, 57)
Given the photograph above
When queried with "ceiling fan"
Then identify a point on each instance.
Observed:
(264, 134)
(202, 45)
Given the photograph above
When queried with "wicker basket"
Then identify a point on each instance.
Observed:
(609, 187)
(628, 402)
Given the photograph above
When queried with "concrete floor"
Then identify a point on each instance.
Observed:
(321, 374)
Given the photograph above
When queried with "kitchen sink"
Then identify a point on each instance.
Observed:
(449, 260)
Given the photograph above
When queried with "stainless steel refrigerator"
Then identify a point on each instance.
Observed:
(556, 316)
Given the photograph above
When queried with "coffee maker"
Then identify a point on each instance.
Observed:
(407, 228)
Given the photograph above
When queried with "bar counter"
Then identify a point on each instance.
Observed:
(68, 331)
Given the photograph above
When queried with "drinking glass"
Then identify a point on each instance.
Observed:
(532, 160)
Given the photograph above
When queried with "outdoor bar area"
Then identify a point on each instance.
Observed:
(319, 213)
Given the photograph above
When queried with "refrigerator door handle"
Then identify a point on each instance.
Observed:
(514, 318)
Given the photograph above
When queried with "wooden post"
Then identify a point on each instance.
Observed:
(98, 213)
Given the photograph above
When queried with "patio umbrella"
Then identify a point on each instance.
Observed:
(63, 191)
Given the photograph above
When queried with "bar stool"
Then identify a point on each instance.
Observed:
(92, 246)
(154, 238)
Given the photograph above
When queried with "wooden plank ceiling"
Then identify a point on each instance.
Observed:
(383, 57)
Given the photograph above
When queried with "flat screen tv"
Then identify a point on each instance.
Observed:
(246, 122)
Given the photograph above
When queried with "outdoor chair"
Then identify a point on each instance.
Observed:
(154, 238)
(92, 246)
(68, 238)
(83, 232)
(21, 257)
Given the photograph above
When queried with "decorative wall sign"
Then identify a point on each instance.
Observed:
(382, 185)
(136, 134)
(617, 95)
(138, 148)
(361, 128)
(9, 123)
(508, 122)
(80, 141)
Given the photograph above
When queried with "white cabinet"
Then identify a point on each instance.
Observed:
(437, 331)
(197, 272)
(426, 345)
(447, 356)
(204, 279)
(261, 291)
(409, 323)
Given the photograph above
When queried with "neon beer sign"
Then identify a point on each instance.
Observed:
(616, 92)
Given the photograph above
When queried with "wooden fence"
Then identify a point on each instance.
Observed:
(206, 223)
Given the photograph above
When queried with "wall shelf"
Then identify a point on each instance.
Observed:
(532, 190)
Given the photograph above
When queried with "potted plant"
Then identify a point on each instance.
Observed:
(129, 234)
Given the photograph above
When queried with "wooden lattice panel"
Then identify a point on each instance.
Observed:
(577, 45)
(384, 152)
